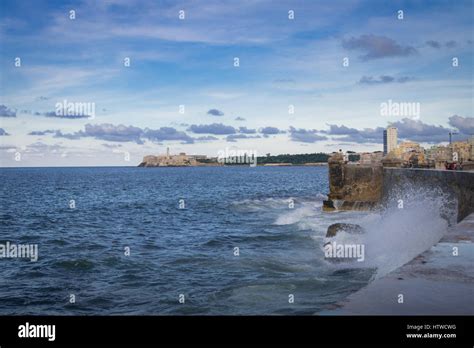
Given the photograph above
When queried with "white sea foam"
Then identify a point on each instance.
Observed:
(393, 236)
(274, 204)
(396, 235)
(299, 214)
(255, 205)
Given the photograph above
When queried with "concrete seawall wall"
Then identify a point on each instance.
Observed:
(365, 187)
(353, 187)
(455, 184)
(440, 280)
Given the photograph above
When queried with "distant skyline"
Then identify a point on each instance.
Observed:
(312, 76)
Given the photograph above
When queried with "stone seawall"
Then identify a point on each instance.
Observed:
(440, 280)
(455, 184)
(365, 187)
(353, 187)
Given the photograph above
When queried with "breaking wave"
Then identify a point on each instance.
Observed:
(270, 203)
(412, 221)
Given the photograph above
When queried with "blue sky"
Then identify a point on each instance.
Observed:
(190, 62)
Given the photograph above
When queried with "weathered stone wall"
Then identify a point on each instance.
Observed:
(456, 184)
(362, 183)
(364, 187)
(353, 186)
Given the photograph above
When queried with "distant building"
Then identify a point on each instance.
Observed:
(438, 155)
(370, 158)
(458, 151)
(411, 154)
(390, 139)
(461, 150)
(409, 146)
(471, 142)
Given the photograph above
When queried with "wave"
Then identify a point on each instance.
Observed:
(299, 214)
(393, 236)
(270, 203)
(412, 221)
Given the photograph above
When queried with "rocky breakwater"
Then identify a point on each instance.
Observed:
(353, 186)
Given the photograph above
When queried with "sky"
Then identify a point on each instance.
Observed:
(201, 76)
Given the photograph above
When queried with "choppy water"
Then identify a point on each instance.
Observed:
(173, 251)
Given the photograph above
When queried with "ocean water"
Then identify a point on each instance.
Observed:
(186, 250)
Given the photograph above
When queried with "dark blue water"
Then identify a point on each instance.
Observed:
(172, 251)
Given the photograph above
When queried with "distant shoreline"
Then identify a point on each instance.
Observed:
(232, 158)
(199, 166)
(324, 164)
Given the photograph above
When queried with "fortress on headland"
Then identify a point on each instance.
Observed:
(231, 157)
(167, 160)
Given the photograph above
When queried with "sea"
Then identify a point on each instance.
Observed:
(234, 240)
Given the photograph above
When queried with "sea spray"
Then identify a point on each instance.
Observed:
(412, 221)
